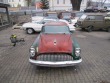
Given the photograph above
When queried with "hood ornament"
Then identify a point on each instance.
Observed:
(55, 42)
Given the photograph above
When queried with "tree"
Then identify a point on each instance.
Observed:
(28, 2)
(89, 3)
(18, 5)
(76, 4)
(44, 4)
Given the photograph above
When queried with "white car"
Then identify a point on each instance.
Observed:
(37, 18)
(70, 24)
(34, 26)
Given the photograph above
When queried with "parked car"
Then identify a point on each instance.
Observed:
(107, 17)
(55, 46)
(95, 9)
(108, 9)
(102, 9)
(75, 16)
(37, 18)
(34, 26)
(94, 21)
(69, 22)
(91, 9)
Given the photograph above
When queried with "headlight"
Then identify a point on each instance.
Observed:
(77, 51)
(32, 52)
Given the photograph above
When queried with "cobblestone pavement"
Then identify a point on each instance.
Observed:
(95, 67)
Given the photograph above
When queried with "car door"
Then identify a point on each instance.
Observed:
(39, 25)
(36, 26)
(99, 22)
(89, 21)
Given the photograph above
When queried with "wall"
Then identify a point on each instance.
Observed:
(20, 18)
(61, 6)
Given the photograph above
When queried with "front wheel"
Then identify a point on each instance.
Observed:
(90, 28)
(30, 31)
(108, 29)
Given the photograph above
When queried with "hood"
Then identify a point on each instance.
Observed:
(55, 43)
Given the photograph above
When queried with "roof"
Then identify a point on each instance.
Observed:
(58, 23)
(96, 14)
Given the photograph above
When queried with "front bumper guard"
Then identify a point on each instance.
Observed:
(55, 64)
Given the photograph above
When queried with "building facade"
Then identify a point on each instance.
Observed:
(17, 3)
(83, 4)
(4, 1)
(60, 4)
(64, 4)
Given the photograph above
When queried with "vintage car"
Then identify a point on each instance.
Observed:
(55, 46)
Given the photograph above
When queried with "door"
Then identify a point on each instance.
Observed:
(99, 22)
(89, 21)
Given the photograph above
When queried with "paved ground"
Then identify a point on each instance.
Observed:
(95, 67)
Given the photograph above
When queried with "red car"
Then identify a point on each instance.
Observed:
(55, 46)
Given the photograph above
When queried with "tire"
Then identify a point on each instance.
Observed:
(30, 31)
(90, 29)
(108, 29)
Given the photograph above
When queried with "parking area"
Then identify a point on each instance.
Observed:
(95, 67)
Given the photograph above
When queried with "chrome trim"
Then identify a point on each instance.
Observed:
(54, 64)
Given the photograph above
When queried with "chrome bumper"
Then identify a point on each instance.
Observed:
(54, 64)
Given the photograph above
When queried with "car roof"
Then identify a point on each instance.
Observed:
(57, 23)
(104, 14)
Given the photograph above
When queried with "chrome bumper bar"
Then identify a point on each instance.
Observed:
(55, 64)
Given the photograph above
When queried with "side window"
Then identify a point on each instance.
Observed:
(99, 18)
(90, 18)
(108, 15)
(44, 21)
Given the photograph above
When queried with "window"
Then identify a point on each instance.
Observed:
(63, 1)
(90, 18)
(57, 1)
(55, 29)
(99, 17)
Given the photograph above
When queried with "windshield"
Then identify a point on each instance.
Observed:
(79, 14)
(51, 17)
(55, 29)
(83, 16)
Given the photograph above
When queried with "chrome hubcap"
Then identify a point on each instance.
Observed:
(30, 31)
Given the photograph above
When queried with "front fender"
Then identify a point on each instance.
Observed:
(75, 45)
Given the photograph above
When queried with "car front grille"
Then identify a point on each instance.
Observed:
(54, 57)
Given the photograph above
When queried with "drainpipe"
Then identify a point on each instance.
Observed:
(52, 4)
(7, 14)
